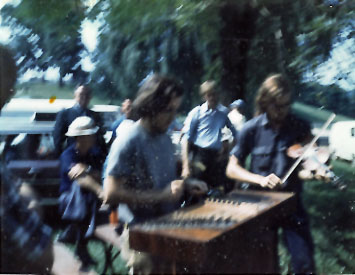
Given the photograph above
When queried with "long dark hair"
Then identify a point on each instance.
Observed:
(8, 74)
(155, 95)
(274, 86)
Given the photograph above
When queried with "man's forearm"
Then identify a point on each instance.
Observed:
(116, 192)
(185, 155)
(236, 172)
(88, 182)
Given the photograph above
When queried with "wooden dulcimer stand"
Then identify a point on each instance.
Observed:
(232, 234)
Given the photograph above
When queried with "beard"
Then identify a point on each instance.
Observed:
(277, 120)
(158, 129)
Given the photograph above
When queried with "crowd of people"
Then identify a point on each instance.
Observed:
(139, 168)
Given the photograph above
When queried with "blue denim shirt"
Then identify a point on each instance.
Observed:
(268, 146)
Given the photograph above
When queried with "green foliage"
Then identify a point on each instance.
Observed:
(175, 37)
(310, 30)
(329, 97)
(47, 34)
(327, 26)
(314, 114)
(237, 43)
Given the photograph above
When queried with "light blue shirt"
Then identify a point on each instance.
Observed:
(147, 161)
(204, 126)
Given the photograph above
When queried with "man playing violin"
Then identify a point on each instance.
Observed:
(266, 139)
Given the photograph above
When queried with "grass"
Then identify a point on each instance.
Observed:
(332, 218)
(316, 115)
(332, 215)
(39, 90)
(97, 251)
(44, 90)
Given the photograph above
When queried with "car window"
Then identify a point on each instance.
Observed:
(108, 118)
(27, 146)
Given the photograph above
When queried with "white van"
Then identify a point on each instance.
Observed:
(24, 107)
(25, 114)
(342, 140)
(27, 117)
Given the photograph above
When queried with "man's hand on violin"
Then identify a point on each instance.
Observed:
(271, 181)
(305, 174)
(321, 174)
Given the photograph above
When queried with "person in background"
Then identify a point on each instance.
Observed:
(202, 151)
(236, 116)
(266, 138)
(237, 113)
(22, 146)
(26, 245)
(82, 97)
(80, 186)
(141, 166)
(126, 108)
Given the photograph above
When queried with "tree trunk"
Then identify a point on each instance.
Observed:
(236, 35)
(61, 82)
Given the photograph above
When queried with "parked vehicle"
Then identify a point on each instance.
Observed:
(26, 144)
(46, 110)
(342, 140)
(37, 116)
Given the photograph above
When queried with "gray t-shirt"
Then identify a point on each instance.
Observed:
(147, 161)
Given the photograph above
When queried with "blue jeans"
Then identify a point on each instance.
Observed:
(298, 240)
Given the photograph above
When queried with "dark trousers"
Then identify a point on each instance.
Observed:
(298, 240)
(209, 166)
(297, 237)
(78, 209)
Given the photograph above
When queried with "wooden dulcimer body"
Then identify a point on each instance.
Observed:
(234, 233)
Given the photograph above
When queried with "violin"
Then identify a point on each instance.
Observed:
(315, 164)
(314, 161)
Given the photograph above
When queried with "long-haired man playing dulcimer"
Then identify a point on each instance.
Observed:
(266, 138)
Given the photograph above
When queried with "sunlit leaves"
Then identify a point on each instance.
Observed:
(173, 37)
(51, 28)
(183, 38)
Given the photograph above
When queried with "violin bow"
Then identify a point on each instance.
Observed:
(301, 157)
